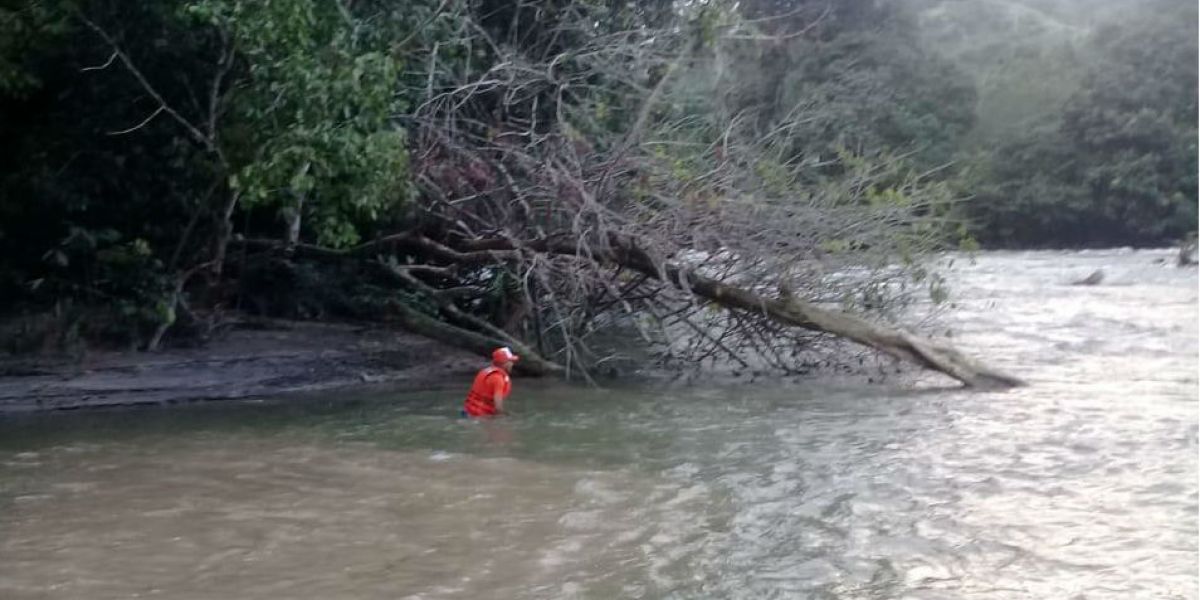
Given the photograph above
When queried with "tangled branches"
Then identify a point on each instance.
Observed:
(558, 175)
(596, 180)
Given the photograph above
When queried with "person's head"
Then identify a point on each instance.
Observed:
(504, 358)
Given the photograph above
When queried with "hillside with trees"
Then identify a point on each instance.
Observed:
(1086, 120)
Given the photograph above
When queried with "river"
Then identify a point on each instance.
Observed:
(1081, 486)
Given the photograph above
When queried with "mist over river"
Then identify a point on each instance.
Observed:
(1082, 485)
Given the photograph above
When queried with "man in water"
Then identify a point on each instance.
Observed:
(491, 387)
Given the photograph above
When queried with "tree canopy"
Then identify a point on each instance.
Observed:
(1087, 125)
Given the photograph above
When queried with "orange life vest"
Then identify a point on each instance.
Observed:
(480, 401)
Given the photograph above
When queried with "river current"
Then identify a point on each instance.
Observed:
(1082, 485)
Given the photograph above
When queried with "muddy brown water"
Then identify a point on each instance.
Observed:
(1081, 486)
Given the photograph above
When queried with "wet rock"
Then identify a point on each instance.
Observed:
(1094, 279)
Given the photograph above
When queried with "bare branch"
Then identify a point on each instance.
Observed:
(102, 67)
(144, 122)
(125, 60)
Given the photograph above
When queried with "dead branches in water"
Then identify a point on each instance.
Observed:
(789, 311)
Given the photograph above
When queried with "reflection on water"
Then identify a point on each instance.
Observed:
(1081, 486)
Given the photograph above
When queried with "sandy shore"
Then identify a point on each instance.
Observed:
(278, 358)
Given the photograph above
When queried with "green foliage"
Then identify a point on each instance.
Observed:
(877, 91)
(306, 108)
(860, 82)
(1021, 55)
(314, 115)
(1118, 164)
(100, 268)
(64, 174)
(25, 30)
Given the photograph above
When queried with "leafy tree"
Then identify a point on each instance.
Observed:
(139, 130)
(857, 73)
(76, 190)
(1118, 164)
(311, 126)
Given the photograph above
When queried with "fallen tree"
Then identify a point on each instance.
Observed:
(566, 173)
(791, 311)
(624, 253)
(665, 217)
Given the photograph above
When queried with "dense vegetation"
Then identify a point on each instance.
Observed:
(546, 173)
(1088, 126)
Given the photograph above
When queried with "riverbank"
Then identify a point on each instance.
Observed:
(272, 359)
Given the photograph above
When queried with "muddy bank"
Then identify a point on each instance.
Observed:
(274, 358)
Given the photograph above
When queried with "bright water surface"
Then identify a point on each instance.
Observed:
(1081, 486)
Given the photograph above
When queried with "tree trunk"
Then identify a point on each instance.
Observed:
(224, 233)
(421, 324)
(293, 214)
(791, 311)
(531, 363)
(292, 218)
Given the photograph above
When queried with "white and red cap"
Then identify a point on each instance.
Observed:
(503, 355)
